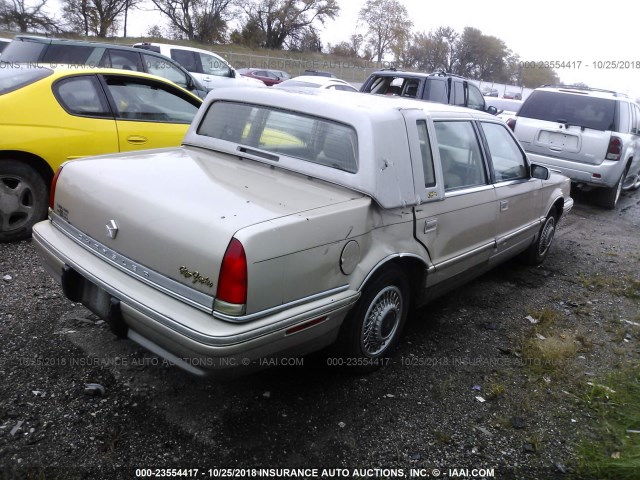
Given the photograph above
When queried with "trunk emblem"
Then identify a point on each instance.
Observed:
(112, 229)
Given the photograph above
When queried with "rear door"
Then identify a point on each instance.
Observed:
(458, 229)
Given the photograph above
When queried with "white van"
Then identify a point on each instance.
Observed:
(211, 69)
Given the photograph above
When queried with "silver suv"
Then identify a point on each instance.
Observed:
(591, 136)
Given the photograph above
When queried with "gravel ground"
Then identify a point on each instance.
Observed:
(473, 385)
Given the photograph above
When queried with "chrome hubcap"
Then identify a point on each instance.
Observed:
(546, 237)
(381, 321)
(16, 203)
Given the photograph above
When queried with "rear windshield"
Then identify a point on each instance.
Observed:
(308, 138)
(23, 51)
(572, 109)
(15, 78)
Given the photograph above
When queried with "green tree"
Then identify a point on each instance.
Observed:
(387, 23)
(202, 20)
(481, 56)
(19, 15)
(433, 51)
(278, 23)
(95, 17)
(536, 76)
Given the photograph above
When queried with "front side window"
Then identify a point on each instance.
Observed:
(476, 100)
(82, 95)
(214, 66)
(312, 139)
(506, 158)
(150, 101)
(462, 163)
(162, 68)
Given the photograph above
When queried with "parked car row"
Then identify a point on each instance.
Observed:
(360, 209)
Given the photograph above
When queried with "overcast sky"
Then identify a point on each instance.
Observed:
(569, 31)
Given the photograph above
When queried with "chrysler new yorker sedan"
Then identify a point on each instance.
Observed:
(51, 116)
(290, 221)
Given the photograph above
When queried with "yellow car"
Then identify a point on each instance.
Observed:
(49, 116)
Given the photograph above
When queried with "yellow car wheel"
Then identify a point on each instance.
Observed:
(23, 200)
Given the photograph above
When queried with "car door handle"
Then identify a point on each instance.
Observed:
(430, 226)
(137, 139)
(504, 205)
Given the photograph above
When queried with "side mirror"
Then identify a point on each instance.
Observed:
(540, 172)
(492, 110)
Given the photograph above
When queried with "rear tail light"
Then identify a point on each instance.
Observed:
(231, 297)
(615, 149)
(54, 182)
(511, 123)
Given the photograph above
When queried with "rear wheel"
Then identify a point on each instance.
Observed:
(372, 330)
(539, 250)
(23, 200)
(609, 196)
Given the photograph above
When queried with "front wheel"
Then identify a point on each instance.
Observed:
(23, 200)
(539, 250)
(372, 330)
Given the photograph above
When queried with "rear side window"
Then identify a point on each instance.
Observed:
(13, 78)
(75, 54)
(185, 58)
(125, 60)
(305, 137)
(427, 157)
(571, 109)
(19, 51)
(460, 157)
(83, 96)
(436, 90)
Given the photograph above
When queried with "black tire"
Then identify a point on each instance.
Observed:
(609, 196)
(539, 249)
(23, 200)
(372, 330)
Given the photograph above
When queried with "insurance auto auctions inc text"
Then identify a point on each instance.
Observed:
(471, 473)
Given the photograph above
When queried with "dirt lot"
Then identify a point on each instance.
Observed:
(476, 384)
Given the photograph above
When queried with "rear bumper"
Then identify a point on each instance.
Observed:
(190, 338)
(609, 170)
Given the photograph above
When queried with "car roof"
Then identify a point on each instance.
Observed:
(181, 47)
(402, 73)
(578, 90)
(319, 100)
(318, 80)
(62, 70)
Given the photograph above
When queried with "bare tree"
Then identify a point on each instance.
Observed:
(387, 23)
(18, 15)
(95, 17)
(276, 23)
(203, 20)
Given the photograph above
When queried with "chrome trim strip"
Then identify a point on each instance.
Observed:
(508, 237)
(466, 255)
(279, 308)
(181, 329)
(192, 297)
(467, 190)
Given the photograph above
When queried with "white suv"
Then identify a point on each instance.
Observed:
(211, 69)
(591, 136)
